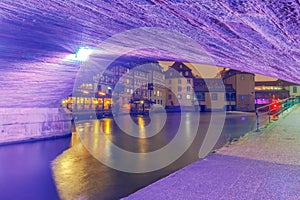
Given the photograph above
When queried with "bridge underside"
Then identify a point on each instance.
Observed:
(36, 36)
(257, 36)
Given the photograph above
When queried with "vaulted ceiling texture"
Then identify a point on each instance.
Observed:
(259, 36)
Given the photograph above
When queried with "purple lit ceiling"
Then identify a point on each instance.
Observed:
(257, 36)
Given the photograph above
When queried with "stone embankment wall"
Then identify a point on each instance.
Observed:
(22, 124)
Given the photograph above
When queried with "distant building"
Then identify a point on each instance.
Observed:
(137, 86)
(134, 85)
(148, 85)
(212, 94)
(179, 83)
(156, 84)
(294, 90)
(243, 83)
(265, 91)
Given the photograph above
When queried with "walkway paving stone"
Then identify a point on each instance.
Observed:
(260, 166)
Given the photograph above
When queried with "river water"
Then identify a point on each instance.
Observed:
(64, 168)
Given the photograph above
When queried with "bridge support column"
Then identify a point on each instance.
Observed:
(22, 124)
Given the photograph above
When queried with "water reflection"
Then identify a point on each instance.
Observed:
(79, 175)
(25, 169)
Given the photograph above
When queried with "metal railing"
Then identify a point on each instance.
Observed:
(273, 110)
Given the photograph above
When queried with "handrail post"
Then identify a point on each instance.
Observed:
(269, 114)
(257, 120)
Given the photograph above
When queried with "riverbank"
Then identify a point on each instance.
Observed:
(18, 125)
(262, 165)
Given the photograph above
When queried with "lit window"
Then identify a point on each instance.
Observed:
(188, 96)
(242, 77)
(179, 96)
(186, 73)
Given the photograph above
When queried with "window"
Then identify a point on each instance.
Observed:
(180, 73)
(179, 96)
(186, 73)
(227, 98)
(243, 97)
(179, 88)
(233, 96)
(170, 96)
(170, 81)
(179, 81)
(188, 88)
(188, 81)
(243, 77)
(200, 96)
(295, 89)
(180, 66)
(214, 96)
(188, 96)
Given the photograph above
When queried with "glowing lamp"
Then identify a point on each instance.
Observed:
(83, 53)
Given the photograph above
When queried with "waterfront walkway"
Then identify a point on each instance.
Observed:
(260, 166)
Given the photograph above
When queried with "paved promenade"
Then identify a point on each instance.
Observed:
(260, 166)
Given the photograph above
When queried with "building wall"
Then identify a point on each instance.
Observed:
(157, 78)
(244, 85)
(179, 83)
(180, 92)
(214, 101)
(294, 90)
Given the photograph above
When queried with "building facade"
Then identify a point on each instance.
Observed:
(125, 86)
(156, 84)
(266, 91)
(243, 83)
(213, 94)
(294, 90)
(179, 87)
(137, 87)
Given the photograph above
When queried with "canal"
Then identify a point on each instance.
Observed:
(64, 169)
